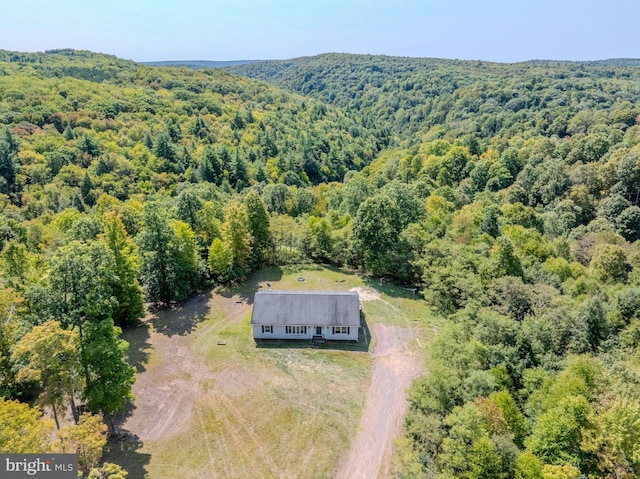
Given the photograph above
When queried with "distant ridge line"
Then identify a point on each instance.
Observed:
(201, 63)
(612, 62)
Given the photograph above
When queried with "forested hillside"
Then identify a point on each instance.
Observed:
(512, 204)
(121, 184)
(506, 194)
(410, 97)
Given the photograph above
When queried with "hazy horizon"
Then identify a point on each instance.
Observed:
(227, 30)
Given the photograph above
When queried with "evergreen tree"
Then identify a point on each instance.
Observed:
(147, 141)
(8, 168)
(210, 166)
(77, 201)
(199, 128)
(86, 189)
(163, 147)
(89, 146)
(238, 175)
(68, 133)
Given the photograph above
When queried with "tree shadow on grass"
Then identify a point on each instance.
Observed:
(258, 281)
(181, 318)
(363, 344)
(123, 448)
(394, 290)
(139, 346)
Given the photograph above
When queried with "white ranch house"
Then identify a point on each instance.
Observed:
(314, 315)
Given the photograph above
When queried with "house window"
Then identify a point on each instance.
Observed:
(341, 330)
(296, 329)
(267, 329)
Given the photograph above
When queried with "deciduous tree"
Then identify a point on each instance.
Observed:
(22, 431)
(125, 288)
(258, 223)
(86, 439)
(49, 354)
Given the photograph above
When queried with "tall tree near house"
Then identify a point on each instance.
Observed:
(320, 241)
(110, 377)
(184, 254)
(169, 260)
(80, 283)
(376, 230)
(235, 232)
(81, 297)
(156, 269)
(258, 222)
(49, 354)
(125, 288)
(219, 260)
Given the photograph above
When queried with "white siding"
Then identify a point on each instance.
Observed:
(351, 336)
(280, 332)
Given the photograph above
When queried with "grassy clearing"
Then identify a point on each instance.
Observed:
(284, 410)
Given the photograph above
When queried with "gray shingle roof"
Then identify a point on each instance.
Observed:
(306, 308)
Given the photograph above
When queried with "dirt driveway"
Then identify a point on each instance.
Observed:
(395, 367)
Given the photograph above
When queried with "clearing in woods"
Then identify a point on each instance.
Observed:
(211, 403)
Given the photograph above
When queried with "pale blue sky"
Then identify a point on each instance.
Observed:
(497, 30)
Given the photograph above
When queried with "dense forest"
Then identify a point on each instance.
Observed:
(507, 194)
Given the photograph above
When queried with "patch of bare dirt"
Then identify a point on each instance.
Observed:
(366, 293)
(164, 394)
(394, 368)
(167, 387)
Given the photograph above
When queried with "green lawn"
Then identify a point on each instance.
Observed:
(277, 409)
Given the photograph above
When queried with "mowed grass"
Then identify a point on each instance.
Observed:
(276, 409)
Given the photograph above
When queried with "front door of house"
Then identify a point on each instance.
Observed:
(319, 330)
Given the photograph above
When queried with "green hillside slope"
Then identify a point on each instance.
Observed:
(122, 106)
(451, 98)
(507, 196)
